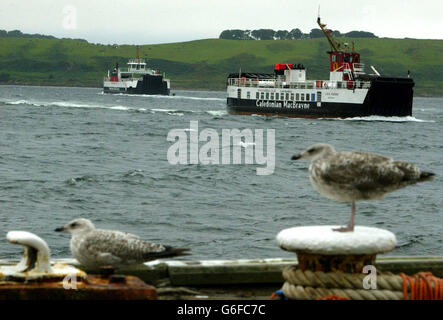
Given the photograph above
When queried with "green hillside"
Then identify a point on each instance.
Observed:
(205, 64)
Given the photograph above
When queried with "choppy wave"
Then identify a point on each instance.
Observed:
(181, 112)
(16, 102)
(70, 105)
(123, 108)
(134, 173)
(217, 112)
(82, 179)
(163, 110)
(67, 104)
(49, 104)
(24, 102)
(174, 112)
(52, 103)
(381, 118)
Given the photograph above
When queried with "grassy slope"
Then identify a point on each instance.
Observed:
(204, 64)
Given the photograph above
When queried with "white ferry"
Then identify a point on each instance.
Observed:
(349, 92)
(136, 79)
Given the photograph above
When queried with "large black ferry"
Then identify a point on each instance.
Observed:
(349, 92)
(136, 79)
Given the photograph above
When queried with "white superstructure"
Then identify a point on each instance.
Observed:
(289, 87)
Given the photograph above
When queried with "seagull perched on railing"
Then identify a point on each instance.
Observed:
(354, 176)
(95, 248)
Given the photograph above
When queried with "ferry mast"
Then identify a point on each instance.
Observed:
(344, 63)
(328, 34)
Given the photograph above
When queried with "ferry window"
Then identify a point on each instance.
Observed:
(142, 66)
(257, 95)
(312, 96)
(262, 96)
(239, 93)
(287, 96)
(272, 95)
(333, 58)
(297, 96)
(292, 96)
(267, 95)
(138, 67)
(302, 98)
(276, 96)
(248, 95)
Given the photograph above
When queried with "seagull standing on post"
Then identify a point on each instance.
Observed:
(354, 176)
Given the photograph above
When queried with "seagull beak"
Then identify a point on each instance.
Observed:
(60, 229)
(296, 156)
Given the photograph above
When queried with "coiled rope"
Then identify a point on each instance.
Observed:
(423, 286)
(314, 285)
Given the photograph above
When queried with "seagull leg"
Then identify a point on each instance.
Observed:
(350, 226)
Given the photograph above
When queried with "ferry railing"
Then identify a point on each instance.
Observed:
(122, 79)
(142, 71)
(138, 61)
(359, 68)
(308, 84)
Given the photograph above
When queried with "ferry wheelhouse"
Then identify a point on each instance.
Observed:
(349, 92)
(136, 79)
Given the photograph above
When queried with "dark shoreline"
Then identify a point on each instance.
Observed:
(97, 87)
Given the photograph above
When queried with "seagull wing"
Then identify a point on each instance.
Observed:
(366, 172)
(118, 248)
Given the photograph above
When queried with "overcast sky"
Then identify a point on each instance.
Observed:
(163, 21)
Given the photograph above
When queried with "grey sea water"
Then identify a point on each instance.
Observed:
(75, 152)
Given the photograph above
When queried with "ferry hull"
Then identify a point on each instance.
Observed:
(308, 110)
(386, 97)
(390, 97)
(147, 85)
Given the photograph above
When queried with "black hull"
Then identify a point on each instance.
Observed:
(386, 97)
(307, 109)
(148, 85)
(390, 97)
